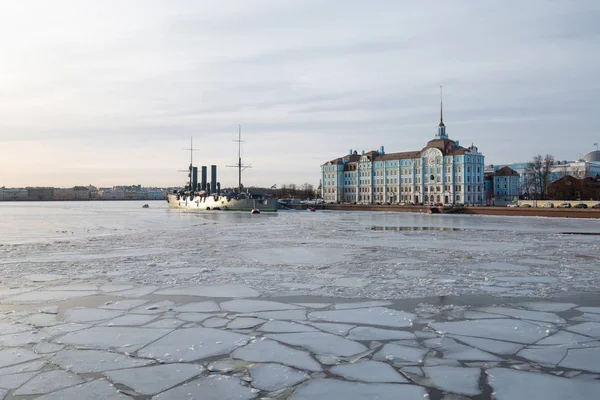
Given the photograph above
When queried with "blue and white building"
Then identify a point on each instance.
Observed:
(584, 167)
(441, 172)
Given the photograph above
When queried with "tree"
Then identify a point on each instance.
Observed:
(540, 169)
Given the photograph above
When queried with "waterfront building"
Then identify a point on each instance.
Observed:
(16, 194)
(40, 193)
(111, 194)
(506, 184)
(441, 172)
(586, 166)
(64, 194)
(571, 188)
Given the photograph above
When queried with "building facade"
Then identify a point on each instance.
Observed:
(584, 167)
(441, 172)
(507, 184)
(571, 188)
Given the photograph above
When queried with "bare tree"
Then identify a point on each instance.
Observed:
(540, 169)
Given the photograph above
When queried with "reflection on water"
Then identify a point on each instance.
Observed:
(231, 216)
(414, 228)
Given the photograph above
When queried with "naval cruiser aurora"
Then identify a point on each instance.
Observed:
(207, 196)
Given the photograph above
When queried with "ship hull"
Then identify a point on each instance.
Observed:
(215, 202)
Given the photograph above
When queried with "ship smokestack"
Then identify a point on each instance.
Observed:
(213, 178)
(194, 179)
(203, 183)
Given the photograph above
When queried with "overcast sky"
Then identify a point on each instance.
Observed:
(110, 92)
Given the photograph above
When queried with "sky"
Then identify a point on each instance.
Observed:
(110, 92)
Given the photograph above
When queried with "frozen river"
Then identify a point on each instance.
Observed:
(113, 301)
(342, 254)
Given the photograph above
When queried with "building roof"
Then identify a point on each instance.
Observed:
(446, 146)
(506, 171)
(592, 156)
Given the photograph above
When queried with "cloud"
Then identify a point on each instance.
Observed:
(113, 90)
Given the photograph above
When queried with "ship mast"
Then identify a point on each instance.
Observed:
(191, 167)
(239, 165)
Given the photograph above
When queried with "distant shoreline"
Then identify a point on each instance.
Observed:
(468, 210)
(75, 200)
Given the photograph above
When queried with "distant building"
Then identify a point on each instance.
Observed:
(67, 194)
(506, 184)
(441, 172)
(156, 194)
(571, 188)
(111, 194)
(14, 194)
(587, 166)
(40, 193)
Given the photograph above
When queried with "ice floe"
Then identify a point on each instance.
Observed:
(233, 291)
(369, 371)
(370, 316)
(271, 377)
(499, 329)
(320, 343)
(454, 379)
(154, 379)
(332, 389)
(214, 387)
(47, 382)
(519, 385)
(246, 306)
(91, 361)
(192, 344)
(271, 351)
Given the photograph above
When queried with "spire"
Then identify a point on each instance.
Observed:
(441, 134)
(441, 108)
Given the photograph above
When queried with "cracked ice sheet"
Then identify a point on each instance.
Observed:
(511, 384)
(401, 353)
(271, 351)
(524, 314)
(95, 390)
(233, 291)
(490, 345)
(81, 315)
(155, 379)
(10, 357)
(214, 387)
(193, 344)
(370, 316)
(249, 306)
(332, 389)
(100, 337)
(320, 343)
(587, 328)
(586, 359)
(89, 361)
(285, 327)
(42, 296)
(299, 255)
(369, 333)
(369, 371)
(499, 329)
(272, 377)
(455, 379)
(47, 382)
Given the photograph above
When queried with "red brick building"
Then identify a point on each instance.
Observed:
(571, 188)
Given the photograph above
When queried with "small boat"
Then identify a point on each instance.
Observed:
(254, 209)
(145, 206)
(311, 209)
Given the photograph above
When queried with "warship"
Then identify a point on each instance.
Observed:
(207, 196)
